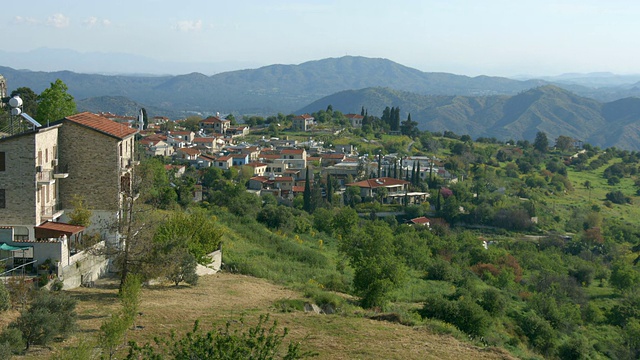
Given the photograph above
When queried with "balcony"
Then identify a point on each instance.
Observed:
(61, 172)
(51, 212)
(45, 177)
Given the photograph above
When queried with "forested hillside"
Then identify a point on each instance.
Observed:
(549, 109)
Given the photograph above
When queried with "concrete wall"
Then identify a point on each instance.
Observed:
(84, 267)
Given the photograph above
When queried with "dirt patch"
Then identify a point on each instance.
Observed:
(222, 297)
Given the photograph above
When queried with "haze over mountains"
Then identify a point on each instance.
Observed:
(584, 107)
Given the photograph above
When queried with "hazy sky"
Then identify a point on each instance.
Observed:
(472, 37)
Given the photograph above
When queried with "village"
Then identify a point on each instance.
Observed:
(92, 157)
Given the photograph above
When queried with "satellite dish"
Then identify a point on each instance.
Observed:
(16, 111)
(15, 102)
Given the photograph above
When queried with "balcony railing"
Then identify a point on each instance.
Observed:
(45, 177)
(51, 211)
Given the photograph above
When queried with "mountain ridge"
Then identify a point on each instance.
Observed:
(548, 108)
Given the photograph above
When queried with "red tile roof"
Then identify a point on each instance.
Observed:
(292, 151)
(101, 124)
(354, 116)
(420, 220)
(284, 178)
(190, 151)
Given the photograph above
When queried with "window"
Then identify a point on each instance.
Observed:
(3, 199)
(2, 160)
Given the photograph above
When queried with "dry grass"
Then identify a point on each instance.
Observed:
(222, 297)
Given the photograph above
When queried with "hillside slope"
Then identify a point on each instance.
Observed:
(549, 109)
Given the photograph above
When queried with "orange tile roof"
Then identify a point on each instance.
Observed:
(101, 124)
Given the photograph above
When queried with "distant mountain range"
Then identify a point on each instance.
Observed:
(548, 108)
(479, 106)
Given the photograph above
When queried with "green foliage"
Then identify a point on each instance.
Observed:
(81, 213)
(377, 270)
(5, 298)
(623, 276)
(49, 315)
(113, 329)
(463, 312)
(55, 103)
(539, 331)
(182, 268)
(196, 231)
(11, 342)
(256, 342)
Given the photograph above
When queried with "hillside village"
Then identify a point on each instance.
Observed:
(525, 247)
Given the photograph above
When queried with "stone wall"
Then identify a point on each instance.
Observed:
(93, 165)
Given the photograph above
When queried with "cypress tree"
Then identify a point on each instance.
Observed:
(379, 164)
(329, 189)
(306, 195)
(362, 111)
(395, 168)
(418, 174)
(413, 174)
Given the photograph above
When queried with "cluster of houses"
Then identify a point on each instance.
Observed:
(92, 157)
(278, 166)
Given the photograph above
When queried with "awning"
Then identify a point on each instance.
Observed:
(6, 247)
(56, 229)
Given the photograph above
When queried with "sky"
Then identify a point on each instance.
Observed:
(468, 37)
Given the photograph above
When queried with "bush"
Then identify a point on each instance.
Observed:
(50, 315)
(617, 197)
(257, 342)
(539, 331)
(11, 342)
(465, 314)
(493, 302)
(5, 299)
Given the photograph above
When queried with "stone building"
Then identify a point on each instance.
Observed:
(30, 178)
(99, 156)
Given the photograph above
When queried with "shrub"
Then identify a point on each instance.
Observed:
(5, 299)
(257, 342)
(493, 302)
(617, 197)
(11, 342)
(465, 314)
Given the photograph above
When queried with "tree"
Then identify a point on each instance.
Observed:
(29, 100)
(329, 189)
(564, 143)
(182, 267)
(113, 330)
(623, 276)
(5, 299)
(49, 316)
(307, 193)
(541, 143)
(55, 103)
(377, 270)
(195, 231)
